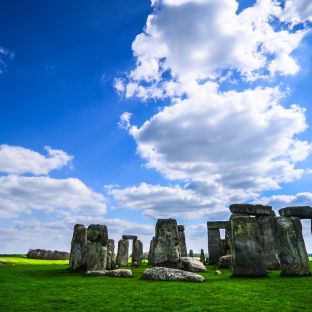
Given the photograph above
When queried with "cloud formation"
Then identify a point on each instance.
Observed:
(221, 143)
(20, 160)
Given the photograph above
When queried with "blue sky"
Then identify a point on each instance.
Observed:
(121, 112)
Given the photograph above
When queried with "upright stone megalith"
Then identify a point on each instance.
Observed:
(151, 256)
(97, 239)
(291, 248)
(247, 253)
(78, 250)
(202, 258)
(216, 247)
(182, 240)
(111, 261)
(123, 253)
(167, 251)
(266, 225)
(137, 252)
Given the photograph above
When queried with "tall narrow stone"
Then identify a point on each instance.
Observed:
(202, 256)
(182, 240)
(291, 248)
(266, 226)
(78, 250)
(97, 239)
(215, 246)
(167, 250)
(151, 257)
(137, 252)
(123, 252)
(247, 253)
(111, 261)
(191, 253)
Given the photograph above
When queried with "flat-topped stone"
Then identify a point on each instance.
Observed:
(134, 237)
(302, 212)
(217, 224)
(249, 209)
(169, 274)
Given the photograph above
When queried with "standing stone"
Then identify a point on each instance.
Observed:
(202, 256)
(247, 254)
(111, 261)
(291, 248)
(137, 252)
(78, 250)
(122, 254)
(182, 240)
(151, 257)
(97, 239)
(215, 246)
(167, 250)
(266, 225)
(191, 253)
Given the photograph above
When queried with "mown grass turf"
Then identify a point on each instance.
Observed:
(32, 287)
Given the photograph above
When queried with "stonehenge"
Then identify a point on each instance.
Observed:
(256, 240)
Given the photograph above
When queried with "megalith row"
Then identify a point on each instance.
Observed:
(260, 241)
(91, 249)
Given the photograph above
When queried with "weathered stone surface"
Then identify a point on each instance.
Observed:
(247, 253)
(78, 250)
(167, 250)
(97, 233)
(182, 240)
(123, 254)
(169, 274)
(192, 265)
(215, 246)
(256, 210)
(302, 212)
(266, 225)
(202, 256)
(134, 237)
(291, 248)
(47, 254)
(113, 273)
(96, 256)
(217, 224)
(151, 257)
(191, 253)
(137, 252)
(225, 262)
(111, 258)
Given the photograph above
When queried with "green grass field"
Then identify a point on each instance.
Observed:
(42, 285)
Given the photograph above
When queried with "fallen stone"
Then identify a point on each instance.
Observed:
(247, 253)
(256, 210)
(47, 254)
(291, 248)
(225, 262)
(113, 273)
(192, 265)
(169, 274)
(302, 212)
(217, 272)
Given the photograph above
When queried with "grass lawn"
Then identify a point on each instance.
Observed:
(42, 285)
